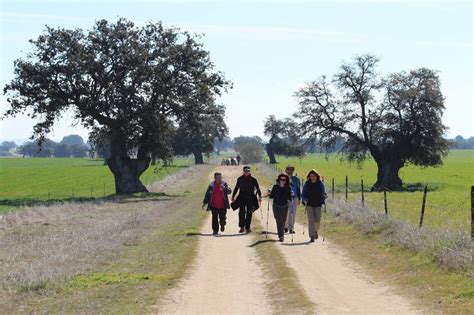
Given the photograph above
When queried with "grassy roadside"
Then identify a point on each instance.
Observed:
(434, 287)
(282, 285)
(413, 275)
(131, 278)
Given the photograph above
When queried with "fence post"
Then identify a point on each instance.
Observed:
(423, 206)
(91, 191)
(385, 204)
(72, 192)
(332, 190)
(49, 195)
(104, 189)
(472, 213)
(362, 191)
(347, 183)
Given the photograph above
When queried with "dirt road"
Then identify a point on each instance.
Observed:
(334, 283)
(227, 279)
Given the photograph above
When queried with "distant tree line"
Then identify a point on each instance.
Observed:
(460, 143)
(69, 146)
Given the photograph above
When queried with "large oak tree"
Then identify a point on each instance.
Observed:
(132, 84)
(396, 119)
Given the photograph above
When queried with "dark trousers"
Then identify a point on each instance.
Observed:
(280, 213)
(218, 216)
(245, 213)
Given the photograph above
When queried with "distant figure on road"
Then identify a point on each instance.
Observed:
(281, 195)
(238, 159)
(295, 185)
(227, 162)
(223, 162)
(313, 198)
(233, 161)
(217, 201)
(248, 189)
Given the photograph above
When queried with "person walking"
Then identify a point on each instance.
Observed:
(313, 196)
(281, 195)
(238, 159)
(246, 186)
(295, 186)
(217, 200)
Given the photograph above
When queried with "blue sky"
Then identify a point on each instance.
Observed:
(270, 49)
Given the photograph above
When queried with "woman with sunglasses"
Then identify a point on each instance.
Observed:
(281, 195)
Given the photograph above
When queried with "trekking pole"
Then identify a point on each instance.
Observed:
(294, 226)
(304, 224)
(268, 211)
(324, 220)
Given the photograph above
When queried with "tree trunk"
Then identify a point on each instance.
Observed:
(126, 171)
(198, 159)
(127, 174)
(271, 154)
(387, 176)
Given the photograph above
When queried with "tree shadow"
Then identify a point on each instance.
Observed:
(262, 242)
(141, 197)
(414, 187)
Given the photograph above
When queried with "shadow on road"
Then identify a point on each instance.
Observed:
(269, 233)
(296, 244)
(210, 234)
(262, 241)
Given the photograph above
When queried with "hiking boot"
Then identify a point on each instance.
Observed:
(281, 238)
(292, 232)
(316, 235)
(222, 228)
(242, 230)
(247, 231)
(215, 234)
(286, 230)
(311, 240)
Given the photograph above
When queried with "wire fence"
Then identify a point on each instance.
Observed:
(102, 187)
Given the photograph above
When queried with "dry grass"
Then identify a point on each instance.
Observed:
(115, 255)
(452, 249)
(43, 244)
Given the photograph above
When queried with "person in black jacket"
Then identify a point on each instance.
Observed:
(314, 195)
(218, 202)
(281, 195)
(246, 185)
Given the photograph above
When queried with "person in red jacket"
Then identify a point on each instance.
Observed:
(217, 201)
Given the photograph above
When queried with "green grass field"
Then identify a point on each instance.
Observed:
(26, 180)
(448, 201)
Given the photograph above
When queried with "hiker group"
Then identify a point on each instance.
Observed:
(231, 161)
(287, 194)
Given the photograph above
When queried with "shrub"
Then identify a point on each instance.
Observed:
(250, 152)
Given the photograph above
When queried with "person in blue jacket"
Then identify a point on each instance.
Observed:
(313, 198)
(295, 185)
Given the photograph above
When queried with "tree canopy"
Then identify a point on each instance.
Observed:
(133, 84)
(199, 129)
(284, 138)
(396, 119)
